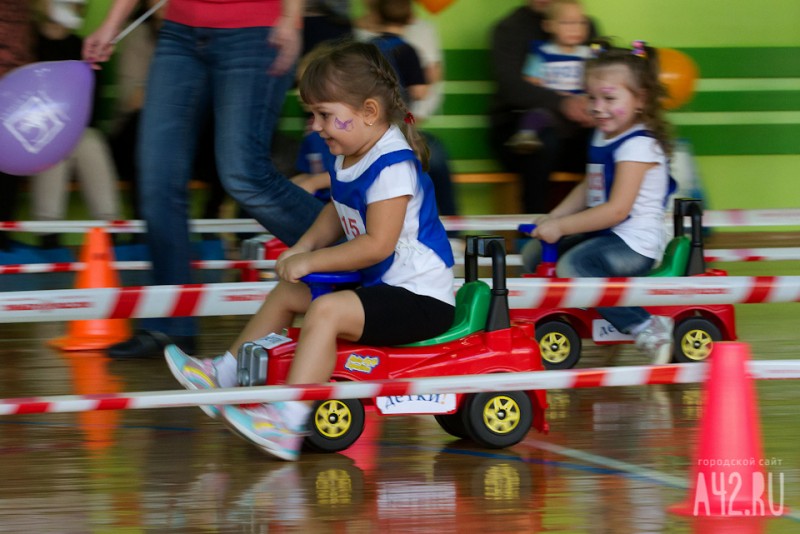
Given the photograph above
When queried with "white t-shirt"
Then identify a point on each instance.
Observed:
(416, 267)
(643, 231)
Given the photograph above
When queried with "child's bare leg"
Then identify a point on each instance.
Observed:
(338, 314)
(277, 312)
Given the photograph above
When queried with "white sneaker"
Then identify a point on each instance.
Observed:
(656, 340)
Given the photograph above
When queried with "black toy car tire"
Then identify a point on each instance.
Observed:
(559, 345)
(335, 425)
(498, 419)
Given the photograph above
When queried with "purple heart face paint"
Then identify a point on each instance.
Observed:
(343, 125)
(612, 104)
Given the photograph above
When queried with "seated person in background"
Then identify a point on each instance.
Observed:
(396, 17)
(91, 162)
(563, 149)
(314, 165)
(325, 20)
(556, 64)
(393, 16)
(15, 51)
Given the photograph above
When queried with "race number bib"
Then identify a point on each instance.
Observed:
(596, 191)
(351, 221)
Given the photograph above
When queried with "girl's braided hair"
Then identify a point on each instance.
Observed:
(350, 72)
(642, 63)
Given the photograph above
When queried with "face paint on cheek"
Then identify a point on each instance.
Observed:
(346, 125)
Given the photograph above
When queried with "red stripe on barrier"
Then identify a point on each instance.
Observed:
(31, 406)
(127, 300)
(11, 269)
(394, 389)
(188, 298)
(662, 375)
(315, 392)
(554, 294)
(113, 403)
(589, 379)
(760, 290)
(613, 292)
(9, 225)
(737, 217)
(62, 267)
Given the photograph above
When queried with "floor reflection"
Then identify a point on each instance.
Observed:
(614, 461)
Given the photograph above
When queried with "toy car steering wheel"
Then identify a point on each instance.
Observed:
(549, 250)
(324, 283)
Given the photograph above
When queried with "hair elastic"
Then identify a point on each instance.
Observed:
(409, 118)
(639, 49)
(596, 49)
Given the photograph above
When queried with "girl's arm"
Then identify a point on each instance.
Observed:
(384, 224)
(627, 181)
(325, 231)
(574, 202)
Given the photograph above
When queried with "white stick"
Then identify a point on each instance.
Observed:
(136, 23)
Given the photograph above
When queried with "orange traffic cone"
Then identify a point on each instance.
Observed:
(93, 334)
(728, 473)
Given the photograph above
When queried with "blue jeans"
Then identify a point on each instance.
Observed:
(596, 257)
(224, 71)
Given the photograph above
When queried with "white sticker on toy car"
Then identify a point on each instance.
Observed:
(410, 404)
(272, 340)
(602, 331)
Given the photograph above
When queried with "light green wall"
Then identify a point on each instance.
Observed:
(672, 23)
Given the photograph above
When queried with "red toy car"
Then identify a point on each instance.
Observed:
(559, 331)
(481, 340)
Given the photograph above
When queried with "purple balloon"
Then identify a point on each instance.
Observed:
(44, 109)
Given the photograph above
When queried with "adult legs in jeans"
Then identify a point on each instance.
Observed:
(603, 256)
(227, 67)
(247, 107)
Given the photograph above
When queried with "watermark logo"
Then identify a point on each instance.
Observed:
(739, 488)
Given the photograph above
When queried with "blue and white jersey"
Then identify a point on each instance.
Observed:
(558, 70)
(643, 231)
(422, 261)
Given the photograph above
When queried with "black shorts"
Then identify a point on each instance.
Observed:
(396, 316)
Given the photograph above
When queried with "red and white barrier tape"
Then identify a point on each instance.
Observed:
(715, 255)
(752, 254)
(202, 300)
(38, 268)
(712, 219)
(566, 379)
(526, 293)
(198, 300)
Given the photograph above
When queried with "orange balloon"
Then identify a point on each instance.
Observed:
(678, 72)
(434, 6)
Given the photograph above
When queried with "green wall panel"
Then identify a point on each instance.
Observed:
(742, 139)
